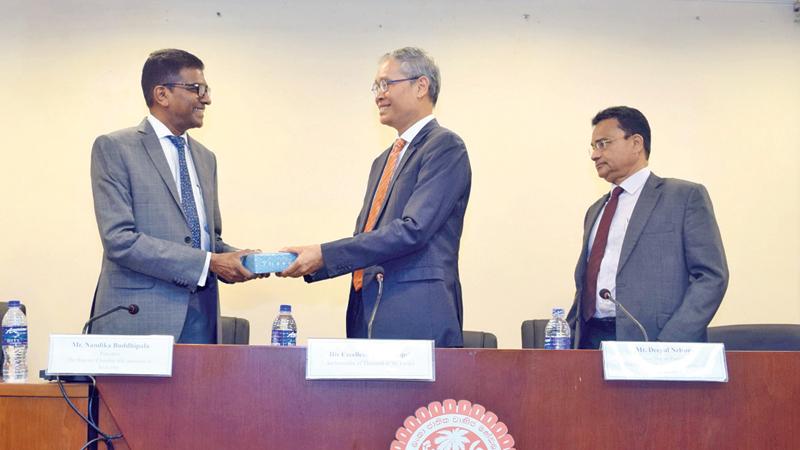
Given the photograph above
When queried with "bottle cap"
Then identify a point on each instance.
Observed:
(13, 303)
(286, 308)
(558, 311)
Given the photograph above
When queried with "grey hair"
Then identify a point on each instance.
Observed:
(415, 62)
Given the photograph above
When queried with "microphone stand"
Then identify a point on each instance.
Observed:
(94, 433)
(379, 277)
(606, 294)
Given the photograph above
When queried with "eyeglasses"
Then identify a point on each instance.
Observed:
(383, 85)
(200, 89)
(601, 144)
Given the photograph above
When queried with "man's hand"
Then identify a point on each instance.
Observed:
(228, 266)
(309, 260)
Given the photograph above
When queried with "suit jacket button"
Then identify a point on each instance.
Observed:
(187, 239)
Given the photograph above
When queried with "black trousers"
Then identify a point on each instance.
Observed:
(597, 330)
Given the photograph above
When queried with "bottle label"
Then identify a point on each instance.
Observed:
(557, 343)
(15, 336)
(284, 337)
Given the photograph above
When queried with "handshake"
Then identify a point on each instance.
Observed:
(244, 265)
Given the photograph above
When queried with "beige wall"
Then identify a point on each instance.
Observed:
(295, 131)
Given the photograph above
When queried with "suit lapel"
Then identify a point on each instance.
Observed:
(372, 185)
(417, 142)
(591, 218)
(156, 153)
(205, 177)
(375, 176)
(651, 191)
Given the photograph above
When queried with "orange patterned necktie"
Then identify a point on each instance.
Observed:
(377, 201)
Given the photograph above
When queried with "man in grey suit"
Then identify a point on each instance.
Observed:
(155, 200)
(652, 242)
(404, 252)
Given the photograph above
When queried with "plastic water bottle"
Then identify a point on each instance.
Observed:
(557, 332)
(15, 344)
(284, 328)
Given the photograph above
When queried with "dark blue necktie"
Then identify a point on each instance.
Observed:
(187, 195)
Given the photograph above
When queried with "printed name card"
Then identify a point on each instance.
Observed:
(370, 359)
(101, 354)
(664, 361)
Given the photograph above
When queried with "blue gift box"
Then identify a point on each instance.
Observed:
(268, 262)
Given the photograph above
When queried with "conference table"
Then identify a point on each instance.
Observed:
(257, 397)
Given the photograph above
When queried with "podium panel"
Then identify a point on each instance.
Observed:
(257, 397)
(34, 416)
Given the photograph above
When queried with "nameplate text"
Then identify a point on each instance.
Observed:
(664, 361)
(103, 354)
(370, 359)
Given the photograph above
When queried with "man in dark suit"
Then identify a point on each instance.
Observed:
(404, 252)
(155, 200)
(652, 242)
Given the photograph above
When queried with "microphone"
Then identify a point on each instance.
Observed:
(606, 294)
(132, 309)
(379, 278)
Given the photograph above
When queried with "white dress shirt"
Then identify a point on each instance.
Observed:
(607, 278)
(171, 153)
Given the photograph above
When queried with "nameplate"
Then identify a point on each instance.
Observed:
(370, 359)
(105, 354)
(664, 361)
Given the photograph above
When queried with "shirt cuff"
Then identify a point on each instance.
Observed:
(204, 274)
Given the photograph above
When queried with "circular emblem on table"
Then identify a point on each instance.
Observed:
(452, 425)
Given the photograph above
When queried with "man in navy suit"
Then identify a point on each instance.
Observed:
(404, 252)
(652, 242)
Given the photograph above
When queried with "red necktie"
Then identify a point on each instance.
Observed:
(596, 256)
(377, 201)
